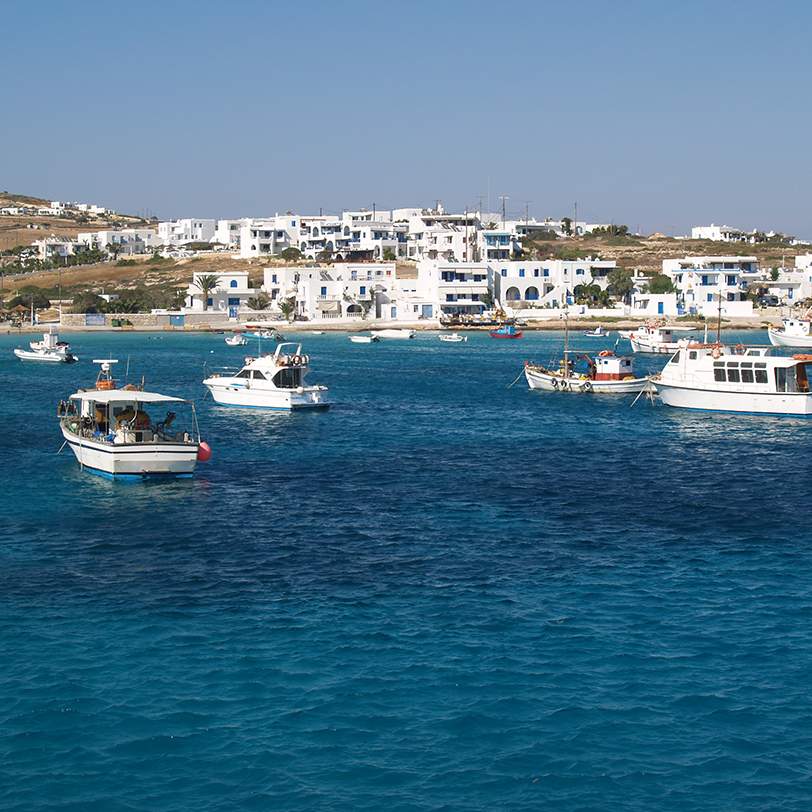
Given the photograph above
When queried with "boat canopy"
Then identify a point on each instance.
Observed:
(124, 396)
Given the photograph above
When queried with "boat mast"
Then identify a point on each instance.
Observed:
(566, 340)
(719, 320)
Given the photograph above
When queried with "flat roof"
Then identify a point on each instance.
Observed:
(124, 396)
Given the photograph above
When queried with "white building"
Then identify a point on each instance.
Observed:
(701, 281)
(455, 288)
(268, 236)
(340, 291)
(436, 235)
(180, 232)
(548, 283)
(355, 236)
(126, 240)
(54, 247)
(498, 243)
(232, 293)
(227, 232)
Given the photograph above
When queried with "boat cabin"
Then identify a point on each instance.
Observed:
(285, 369)
(610, 367)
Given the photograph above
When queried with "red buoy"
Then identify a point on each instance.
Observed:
(204, 452)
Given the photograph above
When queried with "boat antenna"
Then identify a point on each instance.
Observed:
(719, 320)
(127, 371)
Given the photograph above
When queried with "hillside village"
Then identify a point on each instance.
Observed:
(402, 265)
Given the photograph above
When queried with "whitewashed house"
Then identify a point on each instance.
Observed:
(454, 288)
(126, 240)
(181, 232)
(498, 243)
(340, 291)
(268, 236)
(227, 232)
(231, 294)
(701, 281)
(550, 283)
(54, 247)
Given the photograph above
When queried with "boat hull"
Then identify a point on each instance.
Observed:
(287, 400)
(546, 382)
(46, 357)
(778, 338)
(778, 403)
(639, 346)
(393, 333)
(133, 461)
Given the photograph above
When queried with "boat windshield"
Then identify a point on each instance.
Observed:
(288, 378)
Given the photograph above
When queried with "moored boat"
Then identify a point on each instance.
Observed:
(452, 338)
(364, 339)
(716, 377)
(111, 431)
(506, 331)
(237, 340)
(598, 332)
(272, 381)
(792, 333)
(658, 339)
(393, 332)
(606, 374)
(50, 349)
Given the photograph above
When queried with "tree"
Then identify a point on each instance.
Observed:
(620, 283)
(566, 226)
(40, 301)
(288, 307)
(259, 302)
(206, 283)
(325, 256)
(113, 249)
(291, 254)
(389, 255)
(774, 274)
(660, 283)
(88, 303)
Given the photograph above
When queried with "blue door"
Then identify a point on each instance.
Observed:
(177, 321)
(394, 313)
(660, 308)
(232, 311)
(426, 311)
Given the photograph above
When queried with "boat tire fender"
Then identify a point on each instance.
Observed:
(587, 387)
(565, 386)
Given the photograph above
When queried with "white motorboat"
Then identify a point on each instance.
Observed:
(793, 333)
(393, 332)
(50, 350)
(606, 374)
(237, 340)
(658, 339)
(317, 332)
(111, 431)
(598, 332)
(270, 382)
(452, 338)
(715, 377)
(364, 339)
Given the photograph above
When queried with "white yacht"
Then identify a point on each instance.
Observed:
(793, 333)
(658, 339)
(270, 382)
(393, 332)
(113, 432)
(49, 349)
(716, 377)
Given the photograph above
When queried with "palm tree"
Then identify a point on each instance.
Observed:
(206, 283)
(259, 302)
(288, 306)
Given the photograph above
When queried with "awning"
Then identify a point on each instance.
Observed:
(329, 307)
(124, 396)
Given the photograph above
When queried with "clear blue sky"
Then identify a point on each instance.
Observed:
(655, 114)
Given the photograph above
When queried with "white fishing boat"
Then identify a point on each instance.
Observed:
(272, 381)
(658, 339)
(606, 374)
(263, 332)
(598, 332)
(113, 432)
(393, 332)
(50, 349)
(719, 378)
(452, 338)
(364, 339)
(237, 340)
(793, 333)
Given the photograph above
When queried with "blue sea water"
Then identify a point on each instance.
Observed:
(443, 593)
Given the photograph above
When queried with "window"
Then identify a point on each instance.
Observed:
(692, 355)
(258, 376)
(546, 271)
(209, 302)
(273, 277)
(579, 272)
(243, 373)
(324, 291)
(288, 378)
(504, 271)
(781, 379)
(521, 271)
(535, 272)
(675, 359)
(232, 283)
(731, 279)
(718, 374)
(233, 301)
(710, 297)
(747, 376)
(363, 289)
(761, 376)
(733, 375)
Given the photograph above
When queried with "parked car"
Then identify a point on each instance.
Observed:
(768, 301)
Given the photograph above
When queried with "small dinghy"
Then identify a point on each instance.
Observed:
(598, 332)
(364, 339)
(393, 332)
(237, 340)
(452, 338)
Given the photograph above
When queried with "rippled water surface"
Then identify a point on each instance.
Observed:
(443, 593)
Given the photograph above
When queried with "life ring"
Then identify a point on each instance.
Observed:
(297, 360)
(605, 353)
